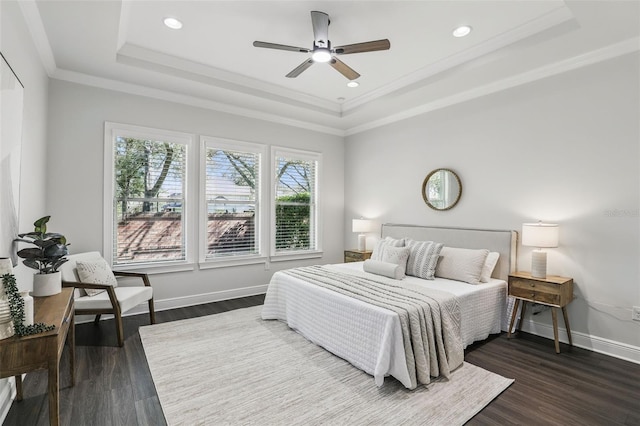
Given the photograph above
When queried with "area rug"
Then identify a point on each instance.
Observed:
(236, 369)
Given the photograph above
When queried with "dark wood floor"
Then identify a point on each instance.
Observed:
(114, 386)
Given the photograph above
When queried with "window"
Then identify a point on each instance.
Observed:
(232, 188)
(295, 202)
(146, 190)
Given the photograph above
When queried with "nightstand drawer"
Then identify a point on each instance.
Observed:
(535, 295)
(356, 256)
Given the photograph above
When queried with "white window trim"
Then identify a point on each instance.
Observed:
(190, 208)
(277, 151)
(262, 211)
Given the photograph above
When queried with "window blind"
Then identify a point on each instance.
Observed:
(148, 201)
(232, 195)
(295, 203)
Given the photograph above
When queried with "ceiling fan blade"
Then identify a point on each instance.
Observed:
(320, 22)
(367, 46)
(280, 46)
(344, 69)
(298, 70)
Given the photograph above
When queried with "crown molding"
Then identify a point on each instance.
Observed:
(609, 52)
(136, 89)
(33, 19)
(544, 22)
(138, 56)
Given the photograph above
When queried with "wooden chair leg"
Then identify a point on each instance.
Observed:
(152, 312)
(97, 319)
(119, 329)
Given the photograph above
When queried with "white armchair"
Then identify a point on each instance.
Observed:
(112, 299)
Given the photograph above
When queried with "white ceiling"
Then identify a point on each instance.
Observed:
(123, 45)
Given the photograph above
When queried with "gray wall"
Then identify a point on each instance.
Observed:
(16, 46)
(564, 149)
(74, 189)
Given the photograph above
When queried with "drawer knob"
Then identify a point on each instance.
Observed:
(533, 295)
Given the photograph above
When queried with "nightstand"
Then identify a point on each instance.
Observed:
(553, 291)
(356, 255)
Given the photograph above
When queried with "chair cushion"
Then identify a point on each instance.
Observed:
(95, 272)
(128, 298)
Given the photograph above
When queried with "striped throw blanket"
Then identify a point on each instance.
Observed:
(430, 320)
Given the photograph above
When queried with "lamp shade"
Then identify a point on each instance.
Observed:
(361, 225)
(540, 234)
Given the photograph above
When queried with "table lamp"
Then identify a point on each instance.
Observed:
(361, 226)
(539, 235)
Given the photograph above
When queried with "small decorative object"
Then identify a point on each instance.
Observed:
(540, 235)
(45, 258)
(28, 307)
(361, 226)
(6, 267)
(6, 322)
(17, 310)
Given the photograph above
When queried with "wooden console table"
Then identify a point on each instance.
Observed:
(21, 355)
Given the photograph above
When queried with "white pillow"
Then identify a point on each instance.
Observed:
(95, 272)
(388, 241)
(461, 264)
(385, 269)
(397, 256)
(489, 266)
(423, 258)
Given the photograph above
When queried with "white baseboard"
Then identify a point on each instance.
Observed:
(586, 341)
(7, 394)
(181, 302)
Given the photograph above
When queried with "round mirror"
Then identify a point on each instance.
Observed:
(441, 189)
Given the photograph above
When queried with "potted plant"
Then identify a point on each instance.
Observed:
(46, 257)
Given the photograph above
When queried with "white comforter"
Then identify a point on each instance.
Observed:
(370, 337)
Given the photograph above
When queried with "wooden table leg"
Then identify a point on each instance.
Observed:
(524, 308)
(554, 317)
(54, 389)
(566, 324)
(513, 317)
(19, 387)
(72, 348)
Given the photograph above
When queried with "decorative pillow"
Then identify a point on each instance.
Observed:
(385, 269)
(423, 258)
(489, 266)
(461, 264)
(397, 256)
(95, 272)
(388, 241)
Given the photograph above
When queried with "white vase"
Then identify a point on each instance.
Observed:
(28, 308)
(6, 267)
(6, 323)
(47, 284)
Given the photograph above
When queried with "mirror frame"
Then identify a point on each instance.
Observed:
(424, 192)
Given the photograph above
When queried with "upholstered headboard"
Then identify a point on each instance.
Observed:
(502, 241)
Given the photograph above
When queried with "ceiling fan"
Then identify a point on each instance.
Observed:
(322, 50)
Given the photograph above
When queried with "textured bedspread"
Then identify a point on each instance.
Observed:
(429, 321)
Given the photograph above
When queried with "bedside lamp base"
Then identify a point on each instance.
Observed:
(539, 264)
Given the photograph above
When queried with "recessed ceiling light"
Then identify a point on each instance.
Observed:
(173, 23)
(353, 84)
(462, 31)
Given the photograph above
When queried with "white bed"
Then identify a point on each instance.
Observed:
(370, 337)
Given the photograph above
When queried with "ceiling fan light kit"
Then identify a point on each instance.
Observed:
(322, 51)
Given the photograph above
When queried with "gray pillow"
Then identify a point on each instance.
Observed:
(423, 258)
